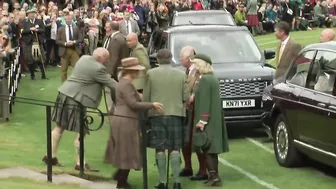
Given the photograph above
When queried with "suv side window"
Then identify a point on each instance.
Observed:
(155, 41)
(322, 76)
(298, 73)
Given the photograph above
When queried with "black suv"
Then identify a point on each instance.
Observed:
(220, 17)
(237, 61)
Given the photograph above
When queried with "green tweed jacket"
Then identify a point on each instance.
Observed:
(87, 81)
(168, 86)
(140, 53)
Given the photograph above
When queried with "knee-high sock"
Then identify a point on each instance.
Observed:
(55, 139)
(175, 159)
(202, 163)
(186, 151)
(161, 165)
(76, 144)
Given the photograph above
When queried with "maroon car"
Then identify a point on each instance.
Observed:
(303, 117)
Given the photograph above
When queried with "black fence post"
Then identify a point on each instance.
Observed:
(49, 155)
(81, 140)
(144, 129)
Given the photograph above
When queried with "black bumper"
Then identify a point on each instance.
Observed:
(250, 121)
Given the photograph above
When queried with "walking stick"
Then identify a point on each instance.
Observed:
(168, 170)
(41, 56)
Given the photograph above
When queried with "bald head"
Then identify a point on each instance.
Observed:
(101, 54)
(327, 35)
(132, 40)
(187, 53)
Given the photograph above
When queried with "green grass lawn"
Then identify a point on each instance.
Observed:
(23, 143)
(20, 183)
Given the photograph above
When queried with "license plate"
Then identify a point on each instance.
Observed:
(239, 103)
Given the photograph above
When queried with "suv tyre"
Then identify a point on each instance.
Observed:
(285, 152)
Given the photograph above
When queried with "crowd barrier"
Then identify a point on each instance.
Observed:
(13, 75)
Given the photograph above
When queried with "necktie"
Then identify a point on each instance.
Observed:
(107, 42)
(70, 33)
(282, 47)
(127, 27)
(187, 71)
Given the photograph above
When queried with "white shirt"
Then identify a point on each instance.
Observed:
(128, 26)
(107, 42)
(284, 43)
(53, 31)
(192, 70)
(67, 32)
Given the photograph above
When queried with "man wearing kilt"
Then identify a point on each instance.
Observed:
(252, 16)
(33, 36)
(84, 87)
(167, 85)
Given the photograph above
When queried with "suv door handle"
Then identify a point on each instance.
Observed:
(322, 105)
(332, 107)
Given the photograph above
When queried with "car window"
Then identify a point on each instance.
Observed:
(223, 46)
(298, 72)
(322, 76)
(225, 19)
(155, 42)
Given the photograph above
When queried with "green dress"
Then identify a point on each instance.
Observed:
(208, 107)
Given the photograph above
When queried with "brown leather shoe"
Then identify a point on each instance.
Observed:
(87, 167)
(54, 161)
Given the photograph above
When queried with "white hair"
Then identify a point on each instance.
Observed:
(100, 52)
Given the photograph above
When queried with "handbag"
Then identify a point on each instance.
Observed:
(201, 140)
(289, 11)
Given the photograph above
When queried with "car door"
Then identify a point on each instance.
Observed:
(290, 90)
(318, 116)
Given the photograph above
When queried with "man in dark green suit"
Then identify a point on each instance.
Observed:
(83, 88)
(167, 85)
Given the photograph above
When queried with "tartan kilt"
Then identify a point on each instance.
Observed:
(252, 20)
(28, 54)
(66, 114)
(158, 133)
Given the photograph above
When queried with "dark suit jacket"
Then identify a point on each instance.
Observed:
(118, 50)
(28, 36)
(290, 52)
(61, 39)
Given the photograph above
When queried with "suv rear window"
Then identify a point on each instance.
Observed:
(217, 19)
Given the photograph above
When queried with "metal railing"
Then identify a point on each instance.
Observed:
(13, 68)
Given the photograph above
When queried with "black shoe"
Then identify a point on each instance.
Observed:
(162, 186)
(199, 176)
(177, 186)
(186, 173)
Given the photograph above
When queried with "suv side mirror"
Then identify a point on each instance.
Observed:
(269, 54)
(153, 61)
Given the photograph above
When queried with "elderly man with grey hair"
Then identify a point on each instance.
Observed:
(173, 99)
(186, 56)
(83, 88)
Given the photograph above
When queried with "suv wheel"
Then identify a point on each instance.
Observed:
(285, 152)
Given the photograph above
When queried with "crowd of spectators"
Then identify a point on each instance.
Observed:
(300, 14)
